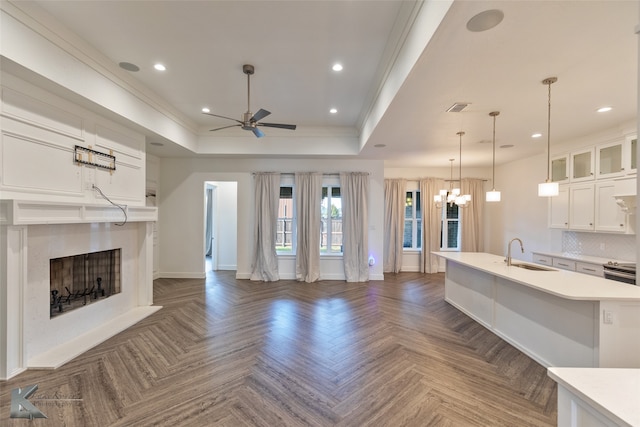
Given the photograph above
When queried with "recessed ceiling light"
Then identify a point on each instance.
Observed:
(536, 135)
(380, 145)
(129, 66)
(604, 109)
(333, 110)
(205, 110)
(484, 21)
(337, 67)
(160, 67)
(157, 144)
(506, 146)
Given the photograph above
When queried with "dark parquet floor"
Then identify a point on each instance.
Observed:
(227, 352)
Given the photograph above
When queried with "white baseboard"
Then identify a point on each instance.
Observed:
(181, 275)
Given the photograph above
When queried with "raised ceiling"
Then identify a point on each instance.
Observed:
(590, 46)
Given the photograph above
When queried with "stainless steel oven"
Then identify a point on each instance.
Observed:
(621, 272)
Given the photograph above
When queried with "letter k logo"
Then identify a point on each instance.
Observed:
(21, 407)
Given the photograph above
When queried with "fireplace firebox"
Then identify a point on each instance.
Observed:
(79, 280)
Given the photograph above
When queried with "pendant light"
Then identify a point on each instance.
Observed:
(493, 195)
(548, 188)
(462, 199)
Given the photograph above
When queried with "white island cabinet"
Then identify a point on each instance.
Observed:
(559, 318)
(597, 397)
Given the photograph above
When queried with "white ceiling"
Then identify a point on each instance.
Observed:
(589, 45)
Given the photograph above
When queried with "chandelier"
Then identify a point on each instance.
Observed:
(453, 195)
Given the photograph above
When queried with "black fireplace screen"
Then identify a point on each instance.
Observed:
(78, 280)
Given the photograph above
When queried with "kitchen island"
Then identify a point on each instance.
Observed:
(556, 317)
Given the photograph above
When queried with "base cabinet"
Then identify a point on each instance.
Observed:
(596, 397)
(569, 264)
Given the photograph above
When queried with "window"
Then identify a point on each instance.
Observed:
(450, 228)
(284, 229)
(412, 221)
(331, 218)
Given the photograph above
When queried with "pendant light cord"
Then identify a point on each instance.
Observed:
(549, 134)
(549, 81)
(460, 171)
(493, 174)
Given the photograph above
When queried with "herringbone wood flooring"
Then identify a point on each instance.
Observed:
(227, 352)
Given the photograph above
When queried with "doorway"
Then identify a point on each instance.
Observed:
(221, 218)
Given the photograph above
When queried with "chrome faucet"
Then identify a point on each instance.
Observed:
(508, 260)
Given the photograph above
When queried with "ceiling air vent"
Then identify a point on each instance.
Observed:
(457, 107)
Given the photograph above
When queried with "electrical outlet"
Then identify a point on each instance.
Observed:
(607, 317)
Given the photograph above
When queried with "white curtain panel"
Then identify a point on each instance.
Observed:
(267, 197)
(394, 206)
(471, 227)
(354, 191)
(431, 224)
(308, 197)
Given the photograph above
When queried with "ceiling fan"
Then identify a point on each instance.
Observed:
(249, 121)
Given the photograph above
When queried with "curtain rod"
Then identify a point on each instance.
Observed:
(324, 174)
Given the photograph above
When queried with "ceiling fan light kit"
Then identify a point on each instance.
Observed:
(249, 120)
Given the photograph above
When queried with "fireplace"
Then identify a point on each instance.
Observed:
(52, 246)
(78, 280)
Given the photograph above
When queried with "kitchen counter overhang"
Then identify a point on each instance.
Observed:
(559, 318)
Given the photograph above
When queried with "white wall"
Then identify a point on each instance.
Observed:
(520, 213)
(39, 133)
(181, 214)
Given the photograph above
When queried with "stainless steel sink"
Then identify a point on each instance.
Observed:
(532, 267)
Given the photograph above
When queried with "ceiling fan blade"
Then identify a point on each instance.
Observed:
(225, 127)
(278, 125)
(257, 132)
(261, 114)
(222, 117)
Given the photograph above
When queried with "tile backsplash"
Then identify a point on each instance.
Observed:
(620, 247)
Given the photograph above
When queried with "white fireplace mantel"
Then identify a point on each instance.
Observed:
(25, 248)
(31, 212)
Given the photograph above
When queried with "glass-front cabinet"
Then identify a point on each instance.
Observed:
(560, 168)
(610, 159)
(582, 165)
(632, 149)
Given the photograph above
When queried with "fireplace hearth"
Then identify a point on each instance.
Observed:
(79, 280)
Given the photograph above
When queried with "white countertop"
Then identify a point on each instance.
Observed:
(561, 283)
(613, 392)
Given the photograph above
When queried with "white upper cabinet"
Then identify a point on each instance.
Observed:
(560, 168)
(559, 209)
(631, 149)
(608, 215)
(610, 160)
(582, 165)
(581, 207)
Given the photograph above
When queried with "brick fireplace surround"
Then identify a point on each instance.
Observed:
(32, 233)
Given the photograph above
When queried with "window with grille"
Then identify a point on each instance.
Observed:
(331, 218)
(412, 221)
(285, 227)
(450, 228)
